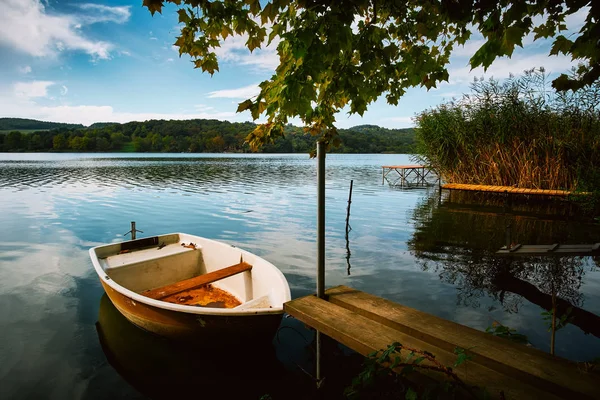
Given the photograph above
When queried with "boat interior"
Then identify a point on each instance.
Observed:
(191, 271)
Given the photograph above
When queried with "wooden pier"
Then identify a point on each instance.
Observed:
(505, 189)
(405, 174)
(507, 370)
(556, 249)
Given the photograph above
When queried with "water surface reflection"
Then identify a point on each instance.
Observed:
(405, 245)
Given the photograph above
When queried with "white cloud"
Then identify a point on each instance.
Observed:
(26, 27)
(19, 101)
(203, 107)
(170, 60)
(26, 69)
(233, 50)
(408, 121)
(89, 114)
(102, 13)
(64, 90)
(239, 93)
(468, 49)
(449, 95)
(27, 90)
(503, 67)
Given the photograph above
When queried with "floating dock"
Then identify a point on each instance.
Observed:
(505, 189)
(406, 174)
(507, 370)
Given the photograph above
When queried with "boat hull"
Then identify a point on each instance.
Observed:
(201, 328)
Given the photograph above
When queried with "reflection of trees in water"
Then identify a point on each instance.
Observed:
(460, 245)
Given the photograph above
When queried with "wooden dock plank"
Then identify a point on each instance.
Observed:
(403, 166)
(365, 335)
(560, 250)
(505, 189)
(197, 281)
(520, 362)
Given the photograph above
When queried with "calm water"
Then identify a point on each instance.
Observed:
(61, 338)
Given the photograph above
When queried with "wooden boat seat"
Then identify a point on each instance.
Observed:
(197, 281)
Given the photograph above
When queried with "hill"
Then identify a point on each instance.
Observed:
(22, 124)
(197, 136)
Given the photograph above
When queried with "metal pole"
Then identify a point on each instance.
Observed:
(132, 230)
(320, 243)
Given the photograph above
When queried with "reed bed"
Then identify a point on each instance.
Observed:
(519, 132)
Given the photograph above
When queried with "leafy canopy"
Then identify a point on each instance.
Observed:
(338, 53)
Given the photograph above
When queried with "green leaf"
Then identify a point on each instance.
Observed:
(183, 16)
(153, 6)
(561, 45)
(512, 36)
(243, 106)
(462, 356)
(410, 394)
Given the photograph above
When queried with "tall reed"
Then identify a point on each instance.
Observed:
(518, 132)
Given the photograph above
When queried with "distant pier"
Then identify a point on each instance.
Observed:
(402, 175)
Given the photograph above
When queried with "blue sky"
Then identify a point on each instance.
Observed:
(110, 60)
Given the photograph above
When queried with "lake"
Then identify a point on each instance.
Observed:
(62, 338)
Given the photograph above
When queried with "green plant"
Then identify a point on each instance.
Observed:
(497, 329)
(388, 370)
(338, 56)
(518, 132)
(561, 321)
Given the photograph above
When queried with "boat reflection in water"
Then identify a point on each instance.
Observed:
(160, 368)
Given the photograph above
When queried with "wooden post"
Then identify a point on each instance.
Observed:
(348, 228)
(348, 210)
(133, 231)
(321, 219)
(320, 243)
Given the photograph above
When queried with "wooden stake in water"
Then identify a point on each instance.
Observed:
(348, 228)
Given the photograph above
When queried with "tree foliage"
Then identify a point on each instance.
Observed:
(198, 136)
(19, 124)
(346, 53)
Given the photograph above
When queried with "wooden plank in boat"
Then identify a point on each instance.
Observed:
(197, 281)
(520, 362)
(365, 335)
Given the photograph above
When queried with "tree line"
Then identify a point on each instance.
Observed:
(197, 136)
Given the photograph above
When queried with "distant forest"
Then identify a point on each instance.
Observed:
(189, 136)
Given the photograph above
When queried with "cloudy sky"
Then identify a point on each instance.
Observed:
(84, 62)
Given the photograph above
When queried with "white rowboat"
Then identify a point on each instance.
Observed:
(188, 287)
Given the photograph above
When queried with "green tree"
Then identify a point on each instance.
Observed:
(36, 143)
(117, 139)
(13, 141)
(102, 144)
(347, 53)
(59, 142)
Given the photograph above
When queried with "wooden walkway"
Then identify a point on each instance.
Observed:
(507, 370)
(505, 189)
(406, 174)
(556, 249)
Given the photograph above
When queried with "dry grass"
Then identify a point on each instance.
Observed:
(516, 133)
